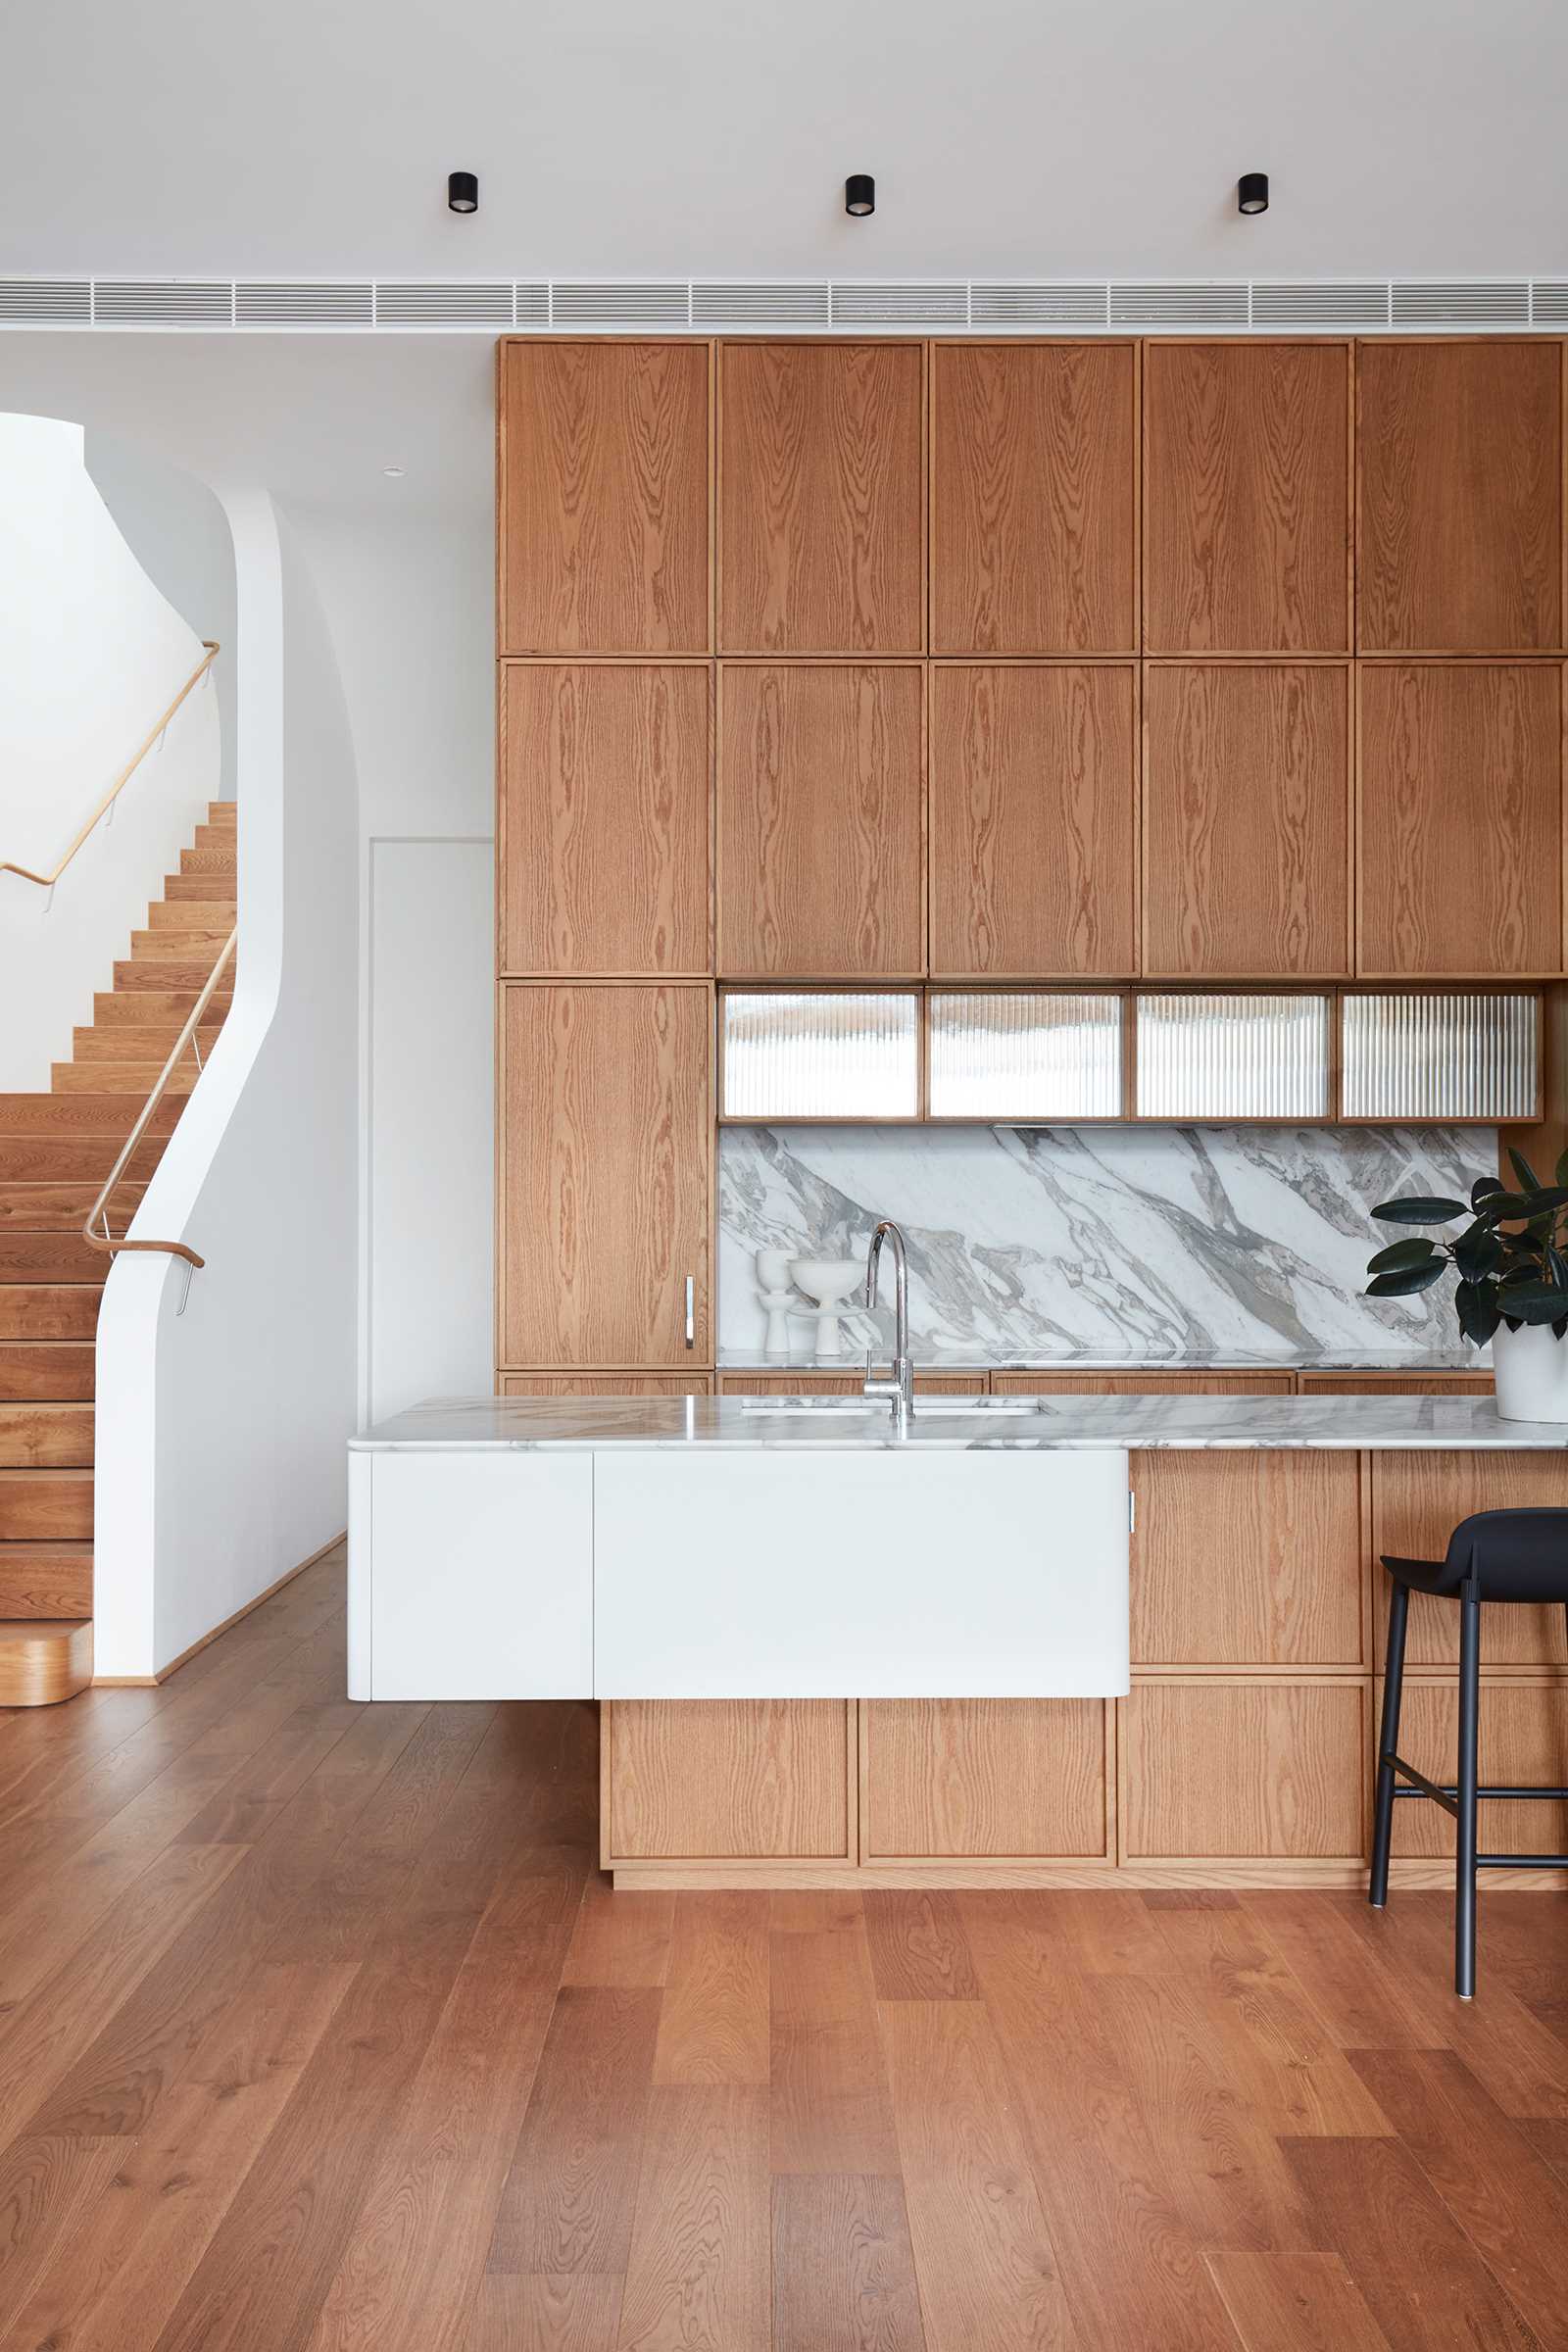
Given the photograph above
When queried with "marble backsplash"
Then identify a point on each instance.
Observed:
(1100, 1240)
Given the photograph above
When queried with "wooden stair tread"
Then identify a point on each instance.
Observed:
(44, 1659)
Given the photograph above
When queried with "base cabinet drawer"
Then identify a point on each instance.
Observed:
(1276, 1770)
(726, 1780)
(986, 1779)
(1418, 1501)
(1522, 1739)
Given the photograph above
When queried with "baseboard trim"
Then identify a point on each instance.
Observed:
(151, 1681)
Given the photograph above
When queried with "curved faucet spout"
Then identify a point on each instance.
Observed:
(899, 1389)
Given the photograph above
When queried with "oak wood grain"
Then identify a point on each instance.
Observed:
(843, 2268)
(1418, 1499)
(1141, 1384)
(1243, 1768)
(715, 2024)
(1308, 2302)
(984, 1776)
(1522, 1738)
(919, 1952)
(698, 2269)
(606, 1384)
(1252, 1562)
(728, 1777)
(831, 2106)
(1032, 818)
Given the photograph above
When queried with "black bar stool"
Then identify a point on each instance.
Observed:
(1495, 1555)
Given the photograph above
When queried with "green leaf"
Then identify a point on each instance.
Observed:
(1401, 1254)
(1478, 1252)
(1562, 1168)
(1539, 1304)
(1488, 1184)
(1405, 1279)
(1478, 1313)
(1420, 1208)
(1529, 1181)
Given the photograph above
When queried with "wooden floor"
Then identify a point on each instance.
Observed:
(318, 2028)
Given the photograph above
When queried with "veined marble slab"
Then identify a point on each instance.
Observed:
(1028, 1245)
(1460, 1357)
(1136, 1424)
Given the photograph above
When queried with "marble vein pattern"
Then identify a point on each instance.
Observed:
(1223, 1243)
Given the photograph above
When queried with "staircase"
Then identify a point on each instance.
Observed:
(55, 1152)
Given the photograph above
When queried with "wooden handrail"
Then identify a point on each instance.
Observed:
(105, 1240)
(47, 881)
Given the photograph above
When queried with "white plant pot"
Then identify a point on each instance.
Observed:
(1532, 1373)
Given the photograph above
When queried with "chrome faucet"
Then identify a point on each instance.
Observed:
(900, 1389)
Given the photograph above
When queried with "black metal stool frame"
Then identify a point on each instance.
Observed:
(1459, 1800)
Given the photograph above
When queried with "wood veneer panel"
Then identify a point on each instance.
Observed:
(1418, 1499)
(1522, 1738)
(1032, 818)
(1141, 1384)
(1460, 819)
(845, 1384)
(1034, 498)
(1247, 1559)
(1246, 506)
(606, 1384)
(843, 2269)
(1246, 820)
(1274, 1768)
(604, 849)
(605, 1173)
(604, 498)
(1404, 1384)
(820, 781)
(984, 1777)
(728, 1778)
(820, 489)
(1459, 450)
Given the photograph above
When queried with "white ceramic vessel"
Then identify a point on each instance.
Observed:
(1532, 1373)
(830, 1282)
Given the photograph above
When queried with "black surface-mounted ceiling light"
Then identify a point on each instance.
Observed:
(462, 192)
(859, 195)
(1252, 192)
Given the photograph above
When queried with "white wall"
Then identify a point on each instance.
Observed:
(90, 652)
(221, 1461)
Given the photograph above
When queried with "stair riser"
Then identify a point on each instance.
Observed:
(45, 1375)
(45, 1580)
(214, 859)
(210, 913)
(53, 1257)
(73, 1078)
(46, 1504)
(51, 1311)
(188, 890)
(59, 1207)
(46, 1437)
(198, 945)
(107, 1115)
(44, 1159)
(127, 1043)
(156, 977)
(168, 1009)
(222, 838)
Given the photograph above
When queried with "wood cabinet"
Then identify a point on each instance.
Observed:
(606, 1384)
(1247, 814)
(604, 498)
(1522, 1739)
(1141, 1384)
(1034, 498)
(1460, 495)
(1233, 1770)
(820, 788)
(727, 1780)
(1460, 854)
(1396, 1384)
(605, 1175)
(845, 1384)
(986, 1779)
(605, 774)
(1247, 498)
(822, 498)
(1418, 1499)
(1032, 819)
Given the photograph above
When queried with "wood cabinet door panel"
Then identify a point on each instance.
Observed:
(1418, 1499)
(727, 1780)
(1522, 1741)
(821, 782)
(1460, 819)
(845, 1384)
(822, 474)
(1247, 498)
(1032, 819)
(1034, 498)
(605, 1174)
(1274, 1769)
(606, 1384)
(1459, 448)
(1141, 1384)
(1020, 1779)
(1247, 821)
(1396, 1384)
(605, 774)
(604, 498)
(1247, 1559)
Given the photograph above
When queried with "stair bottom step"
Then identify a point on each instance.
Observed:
(45, 1580)
(44, 1660)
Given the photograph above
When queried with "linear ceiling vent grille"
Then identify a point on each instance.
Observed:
(1499, 303)
(530, 304)
(1190, 305)
(1549, 303)
(799, 305)
(1320, 305)
(303, 302)
(1019, 304)
(874, 304)
(443, 305)
(46, 301)
(620, 305)
(163, 302)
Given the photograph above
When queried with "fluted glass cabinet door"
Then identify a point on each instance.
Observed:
(790, 1055)
(1469, 1055)
(1024, 1055)
(1233, 1056)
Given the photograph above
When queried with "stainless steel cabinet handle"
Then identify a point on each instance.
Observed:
(691, 1310)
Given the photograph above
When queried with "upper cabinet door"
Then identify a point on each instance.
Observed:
(822, 498)
(1247, 498)
(603, 521)
(1460, 456)
(1460, 836)
(1032, 819)
(820, 796)
(604, 855)
(1034, 458)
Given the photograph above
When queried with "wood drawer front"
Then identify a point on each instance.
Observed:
(728, 1779)
(1247, 1559)
(1396, 1384)
(845, 1384)
(994, 1779)
(1141, 1384)
(606, 1384)
(1522, 1738)
(1418, 1501)
(1265, 1768)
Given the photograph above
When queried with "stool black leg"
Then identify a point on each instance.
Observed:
(1377, 1893)
(1464, 1923)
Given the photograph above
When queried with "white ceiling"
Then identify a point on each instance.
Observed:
(645, 137)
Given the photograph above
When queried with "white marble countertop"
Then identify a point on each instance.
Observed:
(1460, 1357)
(1345, 1424)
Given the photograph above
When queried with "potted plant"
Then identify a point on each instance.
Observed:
(1512, 1264)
